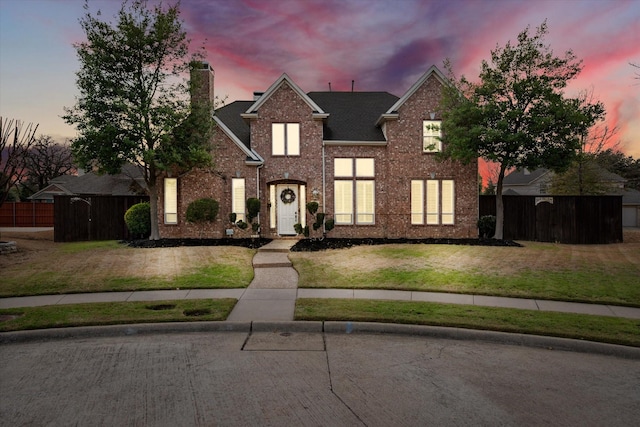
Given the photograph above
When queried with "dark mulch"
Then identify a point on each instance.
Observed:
(173, 243)
(310, 245)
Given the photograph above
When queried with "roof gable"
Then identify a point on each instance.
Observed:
(284, 79)
(433, 71)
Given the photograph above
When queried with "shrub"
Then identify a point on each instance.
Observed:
(202, 210)
(138, 219)
(242, 225)
(312, 207)
(329, 224)
(487, 226)
(253, 208)
(255, 227)
(232, 217)
(298, 228)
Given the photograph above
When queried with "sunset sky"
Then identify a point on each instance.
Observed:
(384, 45)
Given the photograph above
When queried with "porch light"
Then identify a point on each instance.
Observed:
(286, 175)
(432, 115)
(433, 175)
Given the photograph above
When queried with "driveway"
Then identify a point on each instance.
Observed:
(309, 378)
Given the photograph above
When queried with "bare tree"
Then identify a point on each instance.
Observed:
(47, 159)
(15, 142)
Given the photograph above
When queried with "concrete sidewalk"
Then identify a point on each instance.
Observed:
(272, 294)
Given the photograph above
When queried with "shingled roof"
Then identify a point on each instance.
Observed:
(352, 115)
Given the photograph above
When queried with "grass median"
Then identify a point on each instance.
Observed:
(114, 313)
(567, 325)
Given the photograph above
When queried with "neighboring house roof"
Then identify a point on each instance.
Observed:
(630, 196)
(524, 176)
(127, 183)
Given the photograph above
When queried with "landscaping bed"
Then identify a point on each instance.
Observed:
(310, 245)
(174, 243)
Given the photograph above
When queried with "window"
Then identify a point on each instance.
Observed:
(237, 198)
(431, 135)
(285, 139)
(439, 200)
(362, 203)
(417, 202)
(272, 208)
(170, 200)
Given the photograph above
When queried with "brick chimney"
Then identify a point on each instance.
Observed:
(202, 76)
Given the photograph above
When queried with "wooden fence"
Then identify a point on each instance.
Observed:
(26, 214)
(92, 218)
(563, 219)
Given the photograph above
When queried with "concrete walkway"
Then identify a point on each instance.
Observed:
(272, 294)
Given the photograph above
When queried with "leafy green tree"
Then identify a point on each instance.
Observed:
(584, 177)
(134, 101)
(517, 115)
(619, 163)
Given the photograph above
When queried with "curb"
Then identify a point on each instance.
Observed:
(332, 327)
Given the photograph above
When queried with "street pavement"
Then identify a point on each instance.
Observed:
(278, 377)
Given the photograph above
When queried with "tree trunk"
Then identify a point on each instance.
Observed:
(499, 206)
(153, 203)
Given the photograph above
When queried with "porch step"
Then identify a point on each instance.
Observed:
(271, 259)
(278, 245)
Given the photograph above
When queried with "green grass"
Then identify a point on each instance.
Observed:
(59, 316)
(595, 328)
(417, 268)
(78, 247)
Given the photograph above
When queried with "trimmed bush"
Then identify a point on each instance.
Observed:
(232, 217)
(202, 210)
(138, 219)
(487, 226)
(242, 225)
(253, 208)
(312, 207)
(329, 224)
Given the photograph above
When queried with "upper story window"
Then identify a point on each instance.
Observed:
(431, 136)
(285, 139)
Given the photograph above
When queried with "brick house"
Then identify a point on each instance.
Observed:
(367, 159)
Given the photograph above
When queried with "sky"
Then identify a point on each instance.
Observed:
(383, 45)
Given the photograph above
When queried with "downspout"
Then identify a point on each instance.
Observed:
(258, 187)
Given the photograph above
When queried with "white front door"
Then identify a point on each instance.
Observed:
(287, 195)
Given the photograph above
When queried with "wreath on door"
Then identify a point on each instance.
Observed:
(288, 196)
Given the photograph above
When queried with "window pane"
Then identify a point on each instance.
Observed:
(343, 167)
(448, 199)
(431, 133)
(277, 138)
(365, 168)
(237, 198)
(171, 201)
(293, 139)
(417, 202)
(365, 206)
(432, 202)
(343, 204)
